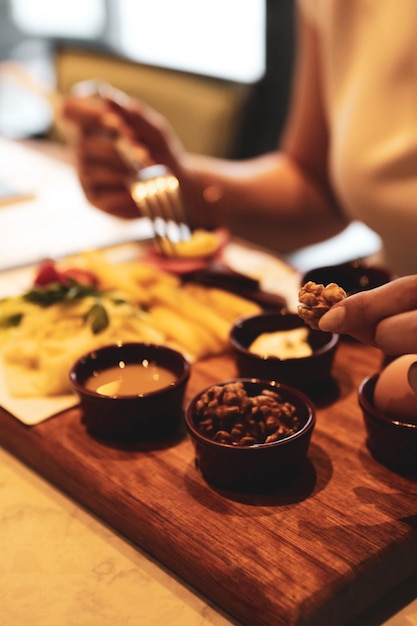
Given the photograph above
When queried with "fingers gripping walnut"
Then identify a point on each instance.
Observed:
(316, 299)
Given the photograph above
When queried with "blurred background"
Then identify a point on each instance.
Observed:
(227, 62)
(219, 71)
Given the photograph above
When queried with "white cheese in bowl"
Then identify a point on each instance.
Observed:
(284, 344)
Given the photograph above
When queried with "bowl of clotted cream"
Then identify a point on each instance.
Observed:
(278, 345)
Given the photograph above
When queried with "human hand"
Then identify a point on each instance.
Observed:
(385, 317)
(102, 171)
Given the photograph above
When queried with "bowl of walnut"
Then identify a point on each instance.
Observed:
(250, 435)
(280, 346)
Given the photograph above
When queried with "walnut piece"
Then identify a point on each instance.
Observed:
(227, 414)
(316, 299)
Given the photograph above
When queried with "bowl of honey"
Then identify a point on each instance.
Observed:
(131, 392)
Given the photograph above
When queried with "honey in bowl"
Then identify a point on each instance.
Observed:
(130, 379)
(131, 392)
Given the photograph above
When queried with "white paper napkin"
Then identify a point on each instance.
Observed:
(32, 411)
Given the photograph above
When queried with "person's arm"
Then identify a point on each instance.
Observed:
(385, 317)
(281, 200)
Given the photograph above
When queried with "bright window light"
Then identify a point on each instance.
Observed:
(77, 18)
(223, 38)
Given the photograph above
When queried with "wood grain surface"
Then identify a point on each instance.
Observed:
(318, 553)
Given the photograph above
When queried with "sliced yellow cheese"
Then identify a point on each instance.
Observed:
(202, 243)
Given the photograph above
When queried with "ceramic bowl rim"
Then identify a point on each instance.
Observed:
(305, 429)
(82, 389)
(368, 385)
(353, 265)
(244, 350)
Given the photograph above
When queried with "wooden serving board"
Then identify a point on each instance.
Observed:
(318, 553)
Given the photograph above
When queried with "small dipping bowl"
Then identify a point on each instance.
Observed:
(262, 467)
(301, 372)
(352, 276)
(392, 442)
(147, 411)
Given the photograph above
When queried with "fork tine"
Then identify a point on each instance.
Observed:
(177, 208)
(143, 199)
(172, 208)
(156, 191)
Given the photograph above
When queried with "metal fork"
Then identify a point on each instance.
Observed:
(154, 189)
(156, 192)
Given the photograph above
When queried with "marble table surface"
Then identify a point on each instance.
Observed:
(61, 566)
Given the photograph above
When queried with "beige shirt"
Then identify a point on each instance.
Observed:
(369, 64)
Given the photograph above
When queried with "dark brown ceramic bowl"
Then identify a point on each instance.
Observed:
(301, 372)
(391, 441)
(353, 276)
(131, 418)
(262, 467)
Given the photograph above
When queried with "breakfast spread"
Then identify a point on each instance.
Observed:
(316, 299)
(283, 344)
(227, 414)
(87, 302)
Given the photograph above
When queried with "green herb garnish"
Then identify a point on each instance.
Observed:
(98, 318)
(57, 292)
(9, 321)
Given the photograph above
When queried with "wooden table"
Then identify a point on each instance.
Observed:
(319, 552)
